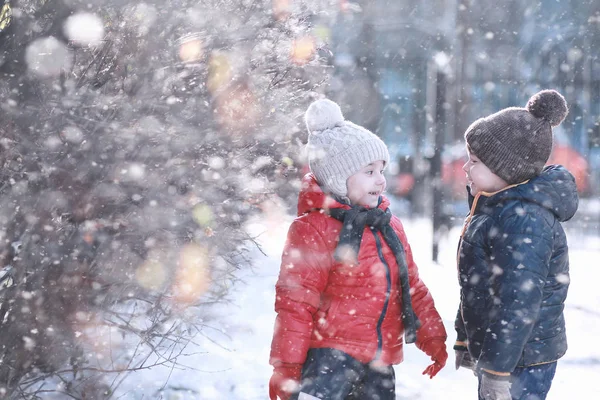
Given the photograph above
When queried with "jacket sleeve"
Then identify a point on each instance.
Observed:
(459, 326)
(432, 326)
(519, 258)
(303, 275)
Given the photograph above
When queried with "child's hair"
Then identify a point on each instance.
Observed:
(515, 143)
(337, 148)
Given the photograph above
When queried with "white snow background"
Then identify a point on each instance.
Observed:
(233, 362)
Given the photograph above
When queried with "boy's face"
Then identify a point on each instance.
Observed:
(365, 186)
(480, 178)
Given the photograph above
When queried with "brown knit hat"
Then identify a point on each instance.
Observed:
(515, 143)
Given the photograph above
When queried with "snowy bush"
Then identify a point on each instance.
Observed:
(137, 138)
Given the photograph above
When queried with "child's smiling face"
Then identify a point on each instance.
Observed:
(365, 186)
(480, 178)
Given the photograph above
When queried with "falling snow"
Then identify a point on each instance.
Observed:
(149, 148)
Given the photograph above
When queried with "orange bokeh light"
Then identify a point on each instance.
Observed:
(303, 50)
(281, 9)
(191, 50)
(237, 108)
(219, 72)
(192, 278)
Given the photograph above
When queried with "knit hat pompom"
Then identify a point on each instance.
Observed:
(323, 114)
(548, 105)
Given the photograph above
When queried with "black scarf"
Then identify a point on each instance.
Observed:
(354, 222)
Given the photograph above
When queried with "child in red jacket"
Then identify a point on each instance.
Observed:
(348, 288)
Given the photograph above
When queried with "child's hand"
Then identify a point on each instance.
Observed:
(495, 387)
(284, 381)
(436, 349)
(463, 358)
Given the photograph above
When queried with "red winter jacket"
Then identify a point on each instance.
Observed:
(324, 303)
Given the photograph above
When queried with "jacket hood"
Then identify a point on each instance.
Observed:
(554, 189)
(313, 198)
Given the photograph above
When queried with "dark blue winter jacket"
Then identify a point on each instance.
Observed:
(514, 272)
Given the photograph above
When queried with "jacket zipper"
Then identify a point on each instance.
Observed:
(387, 295)
(465, 226)
(472, 211)
(460, 242)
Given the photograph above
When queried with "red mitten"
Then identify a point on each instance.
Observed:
(436, 349)
(284, 381)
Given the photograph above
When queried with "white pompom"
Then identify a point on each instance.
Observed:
(323, 114)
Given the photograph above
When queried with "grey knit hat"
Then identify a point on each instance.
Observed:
(515, 143)
(337, 148)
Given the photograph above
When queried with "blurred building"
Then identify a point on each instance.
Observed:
(382, 55)
(386, 54)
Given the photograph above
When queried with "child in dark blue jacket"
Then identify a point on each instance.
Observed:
(513, 256)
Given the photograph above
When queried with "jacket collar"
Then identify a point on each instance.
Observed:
(554, 189)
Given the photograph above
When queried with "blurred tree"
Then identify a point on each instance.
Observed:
(136, 140)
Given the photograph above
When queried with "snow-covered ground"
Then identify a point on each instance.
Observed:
(234, 362)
